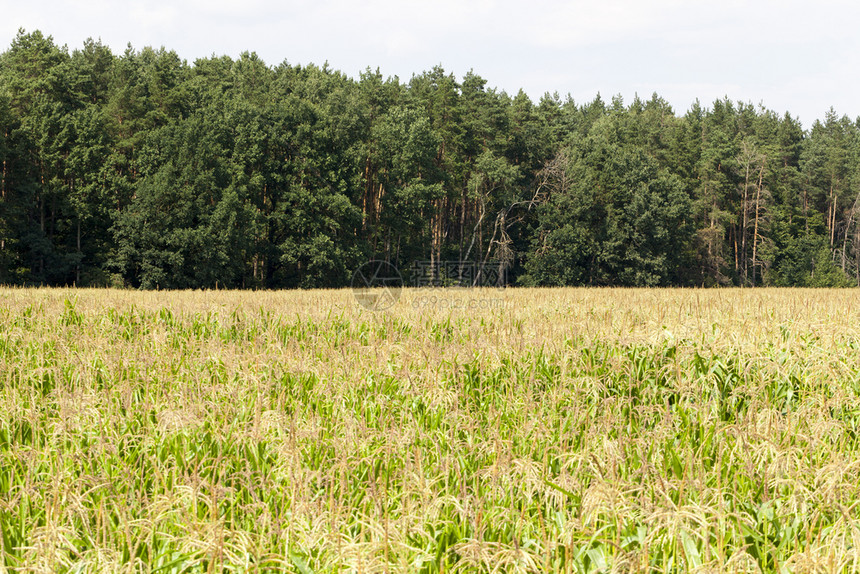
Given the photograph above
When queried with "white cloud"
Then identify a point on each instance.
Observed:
(154, 16)
(564, 25)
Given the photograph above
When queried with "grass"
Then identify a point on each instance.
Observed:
(480, 431)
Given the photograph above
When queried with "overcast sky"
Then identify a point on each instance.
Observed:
(786, 54)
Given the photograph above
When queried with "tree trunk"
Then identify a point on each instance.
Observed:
(832, 216)
(367, 186)
(3, 172)
(755, 226)
(805, 209)
(3, 187)
(851, 219)
(462, 224)
(734, 234)
(42, 227)
(744, 224)
(78, 264)
(857, 254)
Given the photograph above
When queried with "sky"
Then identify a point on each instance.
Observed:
(786, 55)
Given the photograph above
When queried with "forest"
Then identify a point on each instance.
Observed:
(141, 170)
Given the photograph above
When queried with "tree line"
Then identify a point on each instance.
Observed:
(138, 169)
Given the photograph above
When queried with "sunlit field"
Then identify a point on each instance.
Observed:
(570, 430)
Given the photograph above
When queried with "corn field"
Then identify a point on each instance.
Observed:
(543, 430)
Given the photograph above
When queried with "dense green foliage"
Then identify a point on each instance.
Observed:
(140, 169)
